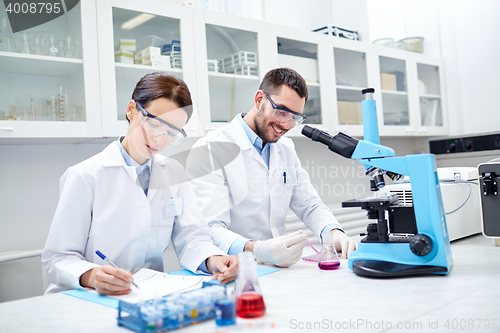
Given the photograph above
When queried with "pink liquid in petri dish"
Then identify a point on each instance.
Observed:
(250, 306)
(329, 265)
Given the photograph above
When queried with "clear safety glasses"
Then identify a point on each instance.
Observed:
(157, 127)
(283, 114)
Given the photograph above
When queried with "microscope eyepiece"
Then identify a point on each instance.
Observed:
(341, 143)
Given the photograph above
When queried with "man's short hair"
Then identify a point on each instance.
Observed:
(275, 78)
(160, 84)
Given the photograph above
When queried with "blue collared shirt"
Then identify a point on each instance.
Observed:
(265, 152)
(143, 171)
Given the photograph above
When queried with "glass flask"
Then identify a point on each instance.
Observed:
(25, 45)
(53, 50)
(328, 259)
(249, 300)
(38, 45)
(68, 48)
(7, 43)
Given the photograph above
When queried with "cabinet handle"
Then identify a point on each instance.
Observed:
(6, 128)
(209, 129)
(340, 129)
(410, 130)
(422, 130)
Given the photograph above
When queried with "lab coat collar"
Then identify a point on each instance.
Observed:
(244, 143)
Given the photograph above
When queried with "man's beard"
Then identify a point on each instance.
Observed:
(261, 128)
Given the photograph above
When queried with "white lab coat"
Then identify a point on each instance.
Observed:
(246, 198)
(101, 207)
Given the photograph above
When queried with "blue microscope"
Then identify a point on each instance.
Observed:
(414, 240)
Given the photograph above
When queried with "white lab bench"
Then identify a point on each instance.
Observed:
(303, 297)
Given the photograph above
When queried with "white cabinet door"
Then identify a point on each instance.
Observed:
(48, 88)
(395, 100)
(310, 54)
(231, 59)
(157, 23)
(352, 60)
(431, 115)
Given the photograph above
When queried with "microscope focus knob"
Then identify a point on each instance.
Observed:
(421, 245)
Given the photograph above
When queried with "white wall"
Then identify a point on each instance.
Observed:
(470, 34)
(314, 14)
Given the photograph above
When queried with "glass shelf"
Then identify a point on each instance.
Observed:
(429, 95)
(303, 57)
(157, 31)
(233, 71)
(351, 77)
(394, 91)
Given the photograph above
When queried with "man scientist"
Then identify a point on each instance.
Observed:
(245, 202)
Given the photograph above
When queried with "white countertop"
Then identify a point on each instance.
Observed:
(303, 297)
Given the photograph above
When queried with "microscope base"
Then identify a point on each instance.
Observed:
(387, 269)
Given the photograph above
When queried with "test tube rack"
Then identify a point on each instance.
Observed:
(170, 312)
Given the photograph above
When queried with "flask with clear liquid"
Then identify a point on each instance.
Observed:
(249, 300)
(328, 259)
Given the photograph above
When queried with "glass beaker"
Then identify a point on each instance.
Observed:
(7, 43)
(25, 45)
(68, 48)
(249, 300)
(328, 259)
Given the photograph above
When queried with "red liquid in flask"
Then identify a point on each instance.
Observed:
(329, 265)
(250, 306)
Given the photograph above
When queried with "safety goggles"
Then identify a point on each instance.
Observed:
(283, 114)
(157, 127)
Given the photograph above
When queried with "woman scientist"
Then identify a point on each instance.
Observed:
(128, 202)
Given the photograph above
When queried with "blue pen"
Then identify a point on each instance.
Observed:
(284, 177)
(103, 257)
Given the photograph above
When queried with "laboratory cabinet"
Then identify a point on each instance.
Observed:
(49, 77)
(221, 57)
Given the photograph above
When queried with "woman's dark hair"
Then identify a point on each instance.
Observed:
(160, 84)
(275, 78)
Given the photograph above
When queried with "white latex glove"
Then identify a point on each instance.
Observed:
(283, 251)
(343, 244)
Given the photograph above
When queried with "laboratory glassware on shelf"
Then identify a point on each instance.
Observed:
(53, 49)
(7, 43)
(249, 300)
(25, 45)
(328, 259)
(68, 51)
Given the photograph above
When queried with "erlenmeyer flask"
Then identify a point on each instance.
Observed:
(53, 50)
(328, 258)
(68, 48)
(25, 45)
(7, 43)
(249, 300)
